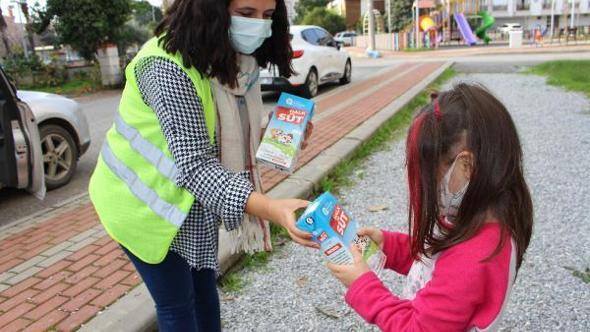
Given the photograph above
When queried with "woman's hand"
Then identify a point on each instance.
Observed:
(347, 274)
(373, 233)
(282, 213)
(308, 132)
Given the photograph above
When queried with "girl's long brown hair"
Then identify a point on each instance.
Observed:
(497, 184)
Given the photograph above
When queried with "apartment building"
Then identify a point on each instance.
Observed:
(534, 13)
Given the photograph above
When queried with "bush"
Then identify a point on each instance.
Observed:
(31, 72)
(326, 19)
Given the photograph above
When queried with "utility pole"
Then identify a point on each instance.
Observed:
(573, 13)
(165, 5)
(390, 35)
(417, 25)
(371, 27)
(20, 18)
(552, 18)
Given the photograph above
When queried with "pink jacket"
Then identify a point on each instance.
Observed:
(456, 290)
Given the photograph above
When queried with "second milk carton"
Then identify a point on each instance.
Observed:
(285, 132)
(335, 231)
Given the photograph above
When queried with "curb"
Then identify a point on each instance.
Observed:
(388, 54)
(139, 306)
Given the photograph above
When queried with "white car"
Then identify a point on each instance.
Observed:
(317, 59)
(42, 136)
(507, 27)
(346, 38)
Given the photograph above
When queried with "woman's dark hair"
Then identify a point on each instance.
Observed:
(470, 114)
(199, 31)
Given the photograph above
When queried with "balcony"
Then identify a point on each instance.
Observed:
(547, 4)
(500, 8)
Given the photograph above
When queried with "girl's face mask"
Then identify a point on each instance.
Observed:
(449, 202)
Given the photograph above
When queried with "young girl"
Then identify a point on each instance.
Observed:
(470, 221)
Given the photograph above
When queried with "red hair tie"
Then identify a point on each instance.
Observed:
(437, 112)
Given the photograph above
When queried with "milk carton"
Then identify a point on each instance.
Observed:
(285, 131)
(335, 231)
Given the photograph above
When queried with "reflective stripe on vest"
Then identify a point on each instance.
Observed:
(162, 208)
(149, 151)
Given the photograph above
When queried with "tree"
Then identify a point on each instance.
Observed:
(84, 24)
(401, 14)
(132, 34)
(3, 27)
(139, 29)
(326, 19)
(145, 14)
(303, 7)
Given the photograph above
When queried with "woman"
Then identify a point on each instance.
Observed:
(179, 159)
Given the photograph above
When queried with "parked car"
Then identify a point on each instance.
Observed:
(42, 136)
(346, 38)
(317, 59)
(507, 27)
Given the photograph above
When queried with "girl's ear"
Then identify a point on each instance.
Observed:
(466, 162)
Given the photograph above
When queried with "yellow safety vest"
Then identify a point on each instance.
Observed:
(133, 187)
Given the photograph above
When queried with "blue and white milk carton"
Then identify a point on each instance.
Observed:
(335, 231)
(285, 132)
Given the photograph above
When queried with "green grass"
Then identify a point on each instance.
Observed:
(231, 282)
(71, 88)
(338, 178)
(393, 128)
(570, 74)
(584, 275)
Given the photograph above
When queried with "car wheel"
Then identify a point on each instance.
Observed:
(347, 73)
(310, 89)
(60, 155)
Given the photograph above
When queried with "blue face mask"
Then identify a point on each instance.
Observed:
(247, 34)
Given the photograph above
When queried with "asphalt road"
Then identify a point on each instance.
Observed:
(99, 109)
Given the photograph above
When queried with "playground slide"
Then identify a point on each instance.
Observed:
(486, 23)
(465, 29)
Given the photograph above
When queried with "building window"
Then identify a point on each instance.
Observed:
(547, 4)
(523, 5)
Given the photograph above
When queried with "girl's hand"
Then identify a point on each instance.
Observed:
(308, 132)
(374, 233)
(347, 274)
(282, 213)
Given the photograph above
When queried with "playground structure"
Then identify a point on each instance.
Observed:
(456, 26)
(434, 24)
(471, 22)
(424, 30)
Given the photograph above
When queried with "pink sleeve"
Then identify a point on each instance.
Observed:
(464, 291)
(396, 246)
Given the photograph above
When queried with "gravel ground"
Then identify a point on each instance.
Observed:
(291, 292)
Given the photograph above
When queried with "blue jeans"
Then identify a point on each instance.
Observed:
(186, 299)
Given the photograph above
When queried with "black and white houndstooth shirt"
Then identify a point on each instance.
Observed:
(220, 195)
